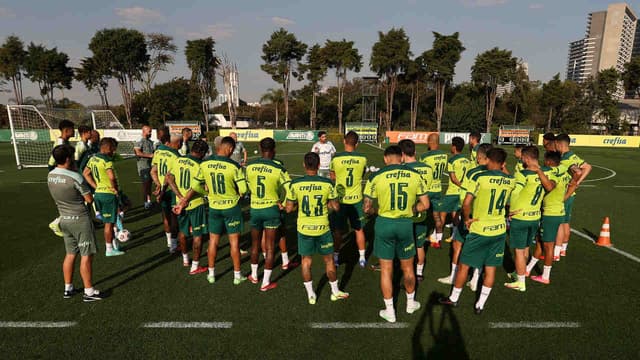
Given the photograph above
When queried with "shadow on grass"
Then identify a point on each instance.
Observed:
(448, 342)
(593, 236)
(159, 259)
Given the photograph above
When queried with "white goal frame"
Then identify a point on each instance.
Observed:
(14, 139)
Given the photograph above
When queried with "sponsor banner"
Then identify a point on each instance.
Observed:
(445, 137)
(131, 135)
(513, 136)
(368, 132)
(175, 128)
(418, 137)
(295, 135)
(248, 135)
(34, 135)
(602, 141)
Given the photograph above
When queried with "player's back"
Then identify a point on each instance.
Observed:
(265, 179)
(396, 188)
(459, 165)
(312, 193)
(553, 201)
(491, 190)
(437, 159)
(349, 168)
(162, 158)
(99, 165)
(224, 179)
(185, 170)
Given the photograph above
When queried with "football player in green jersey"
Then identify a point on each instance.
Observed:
(457, 167)
(314, 196)
(487, 195)
(182, 177)
(397, 193)
(162, 157)
(266, 180)
(532, 182)
(346, 170)
(474, 143)
(420, 227)
(437, 160)
(517, 153)
(549, 141)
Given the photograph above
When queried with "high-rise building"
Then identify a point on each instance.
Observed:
(508, 88)
(608, 43)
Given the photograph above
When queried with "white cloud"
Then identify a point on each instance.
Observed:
(483, 3)
(138, 15)
(280, 21)
(536, 6)
(216, 31)
(6, 13)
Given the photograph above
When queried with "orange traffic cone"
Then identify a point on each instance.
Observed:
(605, 236)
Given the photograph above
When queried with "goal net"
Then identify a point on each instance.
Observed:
(112, 127)
(31, 136)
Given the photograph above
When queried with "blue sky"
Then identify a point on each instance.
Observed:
(538, 31)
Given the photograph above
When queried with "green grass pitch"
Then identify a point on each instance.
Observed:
(593, 287)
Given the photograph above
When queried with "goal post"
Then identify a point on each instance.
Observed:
(106, 121)
(30, 135)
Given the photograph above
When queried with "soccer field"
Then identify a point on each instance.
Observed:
(156, 310)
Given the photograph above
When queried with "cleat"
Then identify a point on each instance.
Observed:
(290, 265)
(243, 252)
(419, 278)
(147, 205)
(541, 257)
(447, 301)
(477, 311)
(252, 279)
(556, 258)
(362, 263)
(115, 243)
(173, 250)
(240, 280)
(446, 280)
(516, 285)
(527, 274)
(411, 308)
(268, 287)
(540, 279)
(449, 239)
(198, 270)
(375, 267)
(96, 296)
(211, 279)
(340, 295)
(114, 252)
(186, 263)
(472, 285)
(99, 217)
(435, 245)
(312, 300)
(390, 316)
(69, 293)
(513, 276)
(563, 253)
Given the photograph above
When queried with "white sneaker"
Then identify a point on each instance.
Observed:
(390, 316)
(413, 306)
(473, 285)
(445, 280)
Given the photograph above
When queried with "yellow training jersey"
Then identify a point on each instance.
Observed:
(267, 180)
(225, 181)
(526, 200)
(437, 159)
(427, 176)
(396, 189)
(349, 168)
(312, 193)
(458, 165)
(99, 165)
(467, 183)
(518, 167)
(162, 157)
(473, 156)
(491, 190)
(185, 172)
(553, 201)
(568, 160)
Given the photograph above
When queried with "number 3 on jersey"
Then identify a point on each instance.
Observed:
(317, 209)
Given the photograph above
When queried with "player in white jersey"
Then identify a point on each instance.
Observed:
(326, 150)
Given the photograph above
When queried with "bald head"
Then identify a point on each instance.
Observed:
(175, 141)
(433, 141)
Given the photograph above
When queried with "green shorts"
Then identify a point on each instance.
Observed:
(309, 245)
(450, 203)
(461, 235)
(351, 212)
(549, 227)
(266, 218)
(227, 219)
(435, 198)
(479, 250)
(79, 235)
(420, 233)
(145, 174)
(107, 205)
(522, 233)
(168, 200)
(194, 220)
(568, 207)
(394, 239)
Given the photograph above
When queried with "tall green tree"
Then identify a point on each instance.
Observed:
(413, 78)
(631, 75)
(316, 69)
(124, 53)
(169, 101)
(161, 50)
(440, 63)
(94, 76)
(275, 97)
(203, 63)
(12, 61)
(282, 55)
(605, 87)
(390, 56)
(519, 97)
(553, 98)
(342, 57)
(48, 68)
(492, 68)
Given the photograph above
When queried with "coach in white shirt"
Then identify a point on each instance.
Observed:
(326, 150)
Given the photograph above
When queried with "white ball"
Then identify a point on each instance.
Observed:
(255, 151)
(123, 235)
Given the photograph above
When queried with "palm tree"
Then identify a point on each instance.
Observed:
(273, 96)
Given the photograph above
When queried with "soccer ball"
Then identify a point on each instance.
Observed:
(123, 235)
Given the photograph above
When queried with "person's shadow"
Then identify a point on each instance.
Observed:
(448, 342)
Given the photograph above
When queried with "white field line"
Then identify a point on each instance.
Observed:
(613, 173)
(33, 182)
(357, 325)
(187, 325)
(616, 250)
(37, 324)
(626, 186)
(533, 325)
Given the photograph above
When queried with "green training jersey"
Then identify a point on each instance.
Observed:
(349, 168)
(162, 157)
(185, 171)
(312, 194)
(437, 159)
(225, 181)
(467, 183)
(458, 165)
(518, 167)
(267, 180)
(396, 189)
(553, 201)
(99, 165)
(567, 161)
(491, 190)
(473, 156)
(526, 199)
(427, 176)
